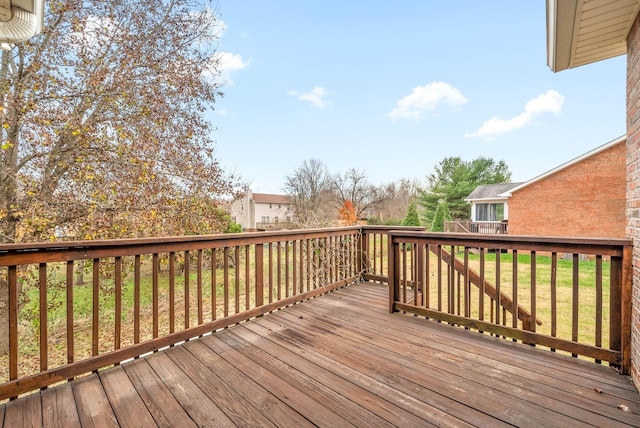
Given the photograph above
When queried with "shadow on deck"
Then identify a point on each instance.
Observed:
(339, 360)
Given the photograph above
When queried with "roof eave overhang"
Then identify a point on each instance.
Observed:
(581, 32)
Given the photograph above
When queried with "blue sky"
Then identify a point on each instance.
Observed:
(392, 88)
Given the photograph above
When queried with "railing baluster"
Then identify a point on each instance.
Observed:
(439, 266)
(199, 287)
(404, 272)
(451, 281)
(414, 272)
(70, 317)
(482, 291)
(155, 261)
(117, 267)
(214, 284)
(136, 299)
(286, 269)
(44, 335)
(498, 299)
(467, 284)
(247, 282)
(309, 261)
(598, 338)
(259, 269)
(574, 300)
(382, 246)
(225, 264)
(294, 266)
(95, 321)
(186, 291)
(172, 291)
(514, 289)
(330, 260)
(554, 297)
(374, 243)
(534, 292)
(420, 286)
(12, 278)
(279, 268)
(427, 276)
(236, 272)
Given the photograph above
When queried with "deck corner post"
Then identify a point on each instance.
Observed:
(626, 286)
(362, 260)
(392, 261)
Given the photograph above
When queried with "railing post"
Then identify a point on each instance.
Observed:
(362, 259)
(12, 288)
(620, 296)
(392, 268)
(626, 292)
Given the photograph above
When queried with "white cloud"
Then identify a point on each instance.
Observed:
(316, 96)
(426, 98)
(91, 33)
(549, 102)
(228, 63)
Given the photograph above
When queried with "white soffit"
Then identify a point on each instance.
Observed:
(20, 20)
(580, 32)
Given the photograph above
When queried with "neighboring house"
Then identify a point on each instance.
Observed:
(262, 211)
(580, 32)
(489, 208)
(583, 197)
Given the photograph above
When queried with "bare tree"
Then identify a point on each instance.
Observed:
(396, 200)
(354, 186)
(310, 188)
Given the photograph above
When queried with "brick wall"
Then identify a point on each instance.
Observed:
(586, 199)
(633, 185)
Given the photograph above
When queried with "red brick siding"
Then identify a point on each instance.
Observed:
(586, 199)
(633, 185)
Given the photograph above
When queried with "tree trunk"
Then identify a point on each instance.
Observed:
(79, 276)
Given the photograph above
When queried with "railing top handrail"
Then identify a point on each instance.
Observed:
(530, 242)
(58, 251)
(125, 242)
(387, 228)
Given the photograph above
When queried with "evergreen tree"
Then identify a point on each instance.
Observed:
(453, 180)
(412, 218)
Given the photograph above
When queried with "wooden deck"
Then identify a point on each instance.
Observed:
(339, 360)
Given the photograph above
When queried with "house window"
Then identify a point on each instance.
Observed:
(275, 219)
(288, 219)
(265, 219)
(489, 212)
(270, 206)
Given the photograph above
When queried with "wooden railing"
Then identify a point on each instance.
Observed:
(571, 295)
(146, 294)
(78, 307)
(483, 227)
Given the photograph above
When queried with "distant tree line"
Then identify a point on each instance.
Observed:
(322, 199)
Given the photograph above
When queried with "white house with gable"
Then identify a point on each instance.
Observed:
(263, 211)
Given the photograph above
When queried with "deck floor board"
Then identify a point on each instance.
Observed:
(339, 360)
(59, 407)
